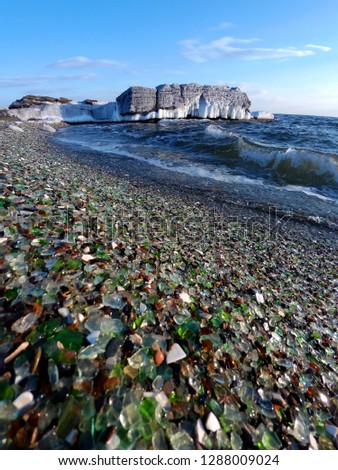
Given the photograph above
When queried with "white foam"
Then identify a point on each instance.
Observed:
(318, 163)
(217, 132)
(262, 115)
(309, 192)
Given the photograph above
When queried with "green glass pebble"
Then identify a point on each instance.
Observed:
(271, 441)
(147, 432)
(147, 408)
(71, 339)
(215, 407)
(7, 393)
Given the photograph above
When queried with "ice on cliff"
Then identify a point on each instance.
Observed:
(144, 104)
(109, 112)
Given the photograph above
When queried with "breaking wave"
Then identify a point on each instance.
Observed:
(298, 154)
(284, 165)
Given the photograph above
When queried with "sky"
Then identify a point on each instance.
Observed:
(282, 53)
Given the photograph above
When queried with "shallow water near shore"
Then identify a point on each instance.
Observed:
(291, 163)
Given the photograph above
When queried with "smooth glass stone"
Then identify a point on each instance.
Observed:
(232, 413)
(181, 441)
(200, 432)
(301, 430)
(114, 301)
(163, 401)
(130, 416)
(149, 339)
(212, 423)
(175, 354)
(236, 441)
(158, 383)
(25, 323)
(271, 441)
(24, 400)
(158, 440)
(139, 359)
(53, 372)
(111, 326)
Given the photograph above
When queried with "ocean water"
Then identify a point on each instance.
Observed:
(292, 161)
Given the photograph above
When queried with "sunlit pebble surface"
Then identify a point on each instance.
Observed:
(130, 340)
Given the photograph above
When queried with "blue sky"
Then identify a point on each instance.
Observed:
(283, 53)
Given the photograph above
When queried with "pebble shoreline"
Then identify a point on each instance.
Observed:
(131, 318)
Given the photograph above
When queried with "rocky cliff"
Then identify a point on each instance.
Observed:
(140, 104)
(184, 101)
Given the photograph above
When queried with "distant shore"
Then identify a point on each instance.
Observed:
(107, 275)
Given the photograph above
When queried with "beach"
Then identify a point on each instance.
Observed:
(139, 311)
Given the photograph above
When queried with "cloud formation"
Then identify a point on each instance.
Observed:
(320, 48)
(14, 82)
(85, 62)
(231, 48)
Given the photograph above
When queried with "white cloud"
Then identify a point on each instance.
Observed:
(85, 62)
(16, 82)
(230, 47)
(320, 48)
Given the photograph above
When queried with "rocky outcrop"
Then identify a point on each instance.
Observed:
(170, 96)
(89, 101)
(137, 100)
(140, 104)
(190, 100)
(5, 115)
(34, 100)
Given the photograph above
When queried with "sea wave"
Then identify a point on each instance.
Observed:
(309, 167)
(217, 132)
(287, 164)
(226, 152)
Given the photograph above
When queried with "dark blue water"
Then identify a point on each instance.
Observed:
(293, 155)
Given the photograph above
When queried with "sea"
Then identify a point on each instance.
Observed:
(290, 163)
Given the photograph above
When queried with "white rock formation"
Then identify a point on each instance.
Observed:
(142, 104)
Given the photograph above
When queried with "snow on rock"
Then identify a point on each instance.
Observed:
(140, 104)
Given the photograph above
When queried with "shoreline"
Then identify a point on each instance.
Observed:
(230, 201)
(175, 320)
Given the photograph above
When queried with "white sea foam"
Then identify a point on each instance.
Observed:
(308, 192)
(315, 162)
(218, 133)
(262, 115)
